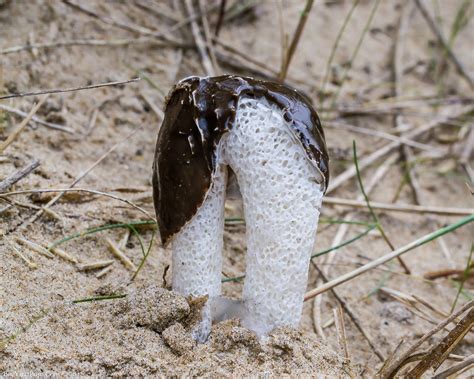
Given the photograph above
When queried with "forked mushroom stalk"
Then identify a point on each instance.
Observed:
(273, 141)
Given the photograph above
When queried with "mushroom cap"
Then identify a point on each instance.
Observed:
(198, 112)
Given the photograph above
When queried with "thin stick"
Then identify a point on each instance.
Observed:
(391, 369)
(75, 181)
(36, 119)
(379, 153)
(120, 24)
(120, 255)
(317, 319)
(123, 242)
(434, 28)
(64, 190)
(22, 125)
(340, 331)
(405, 152)
(387, 257)
(456, 368)
(220, 19)
(35, 247)
(336, 44)
(441, 350)
(295, 40)
(32, 265)
(206, 62)
(208, 36)
(344, 227)
(384, 135)
(94, 265)
(378, 224)
(62, 254)
(103, 272)
(347, 308)
(73, 89)
(356, 50)
(18, 175)
(246, 57)
(94, 42)
(445, 211)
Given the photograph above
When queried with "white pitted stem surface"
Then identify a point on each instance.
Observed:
(281, 204)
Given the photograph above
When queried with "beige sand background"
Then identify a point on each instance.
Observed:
(121, 337)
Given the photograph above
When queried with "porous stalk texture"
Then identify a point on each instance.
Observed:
(281, 203)
(197, 251)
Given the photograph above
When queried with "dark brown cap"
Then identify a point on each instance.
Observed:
(198, 112)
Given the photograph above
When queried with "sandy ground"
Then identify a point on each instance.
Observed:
(42, 331)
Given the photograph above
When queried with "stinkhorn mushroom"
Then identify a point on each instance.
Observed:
(272, 139)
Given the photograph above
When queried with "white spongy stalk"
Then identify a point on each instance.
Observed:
(281, 203)
(197, 251)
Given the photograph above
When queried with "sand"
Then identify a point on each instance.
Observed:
(147, 332)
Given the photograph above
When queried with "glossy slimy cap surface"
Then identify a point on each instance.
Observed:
(198, 113)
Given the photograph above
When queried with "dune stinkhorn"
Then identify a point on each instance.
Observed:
(272, 139)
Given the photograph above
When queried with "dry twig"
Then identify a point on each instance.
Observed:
(446, 211)
(64, 190)
(376, 155)
(348, 309)
(387, 257)
(295, 40)
(37, 120)
(22, 125)
(469, 361)
(390, 370)
(341, 331)
(206, 61)
(73, 89)
(18, 175)
(120, 255)
(441, 350)
(434, 28)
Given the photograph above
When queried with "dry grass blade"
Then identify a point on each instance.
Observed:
(208, 36)
(348, 309)
(32, 265)
(206, 61)
(64, 190)
(295, 40)
(36, 120)
(75, 181)
(125, 25)
(390, 370)
(93, 42)
(387, 257)
(341, 331)
(440, 352)
(434, 28)
(374, 216)
(62, 254)
(378, 154)
(72, 89)
(445, 211)
(469, 361)
(14, 134)
(18, 175)
(381, 134)
(336, 44)
(35, 247)
(120, 255)
(94, 265)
